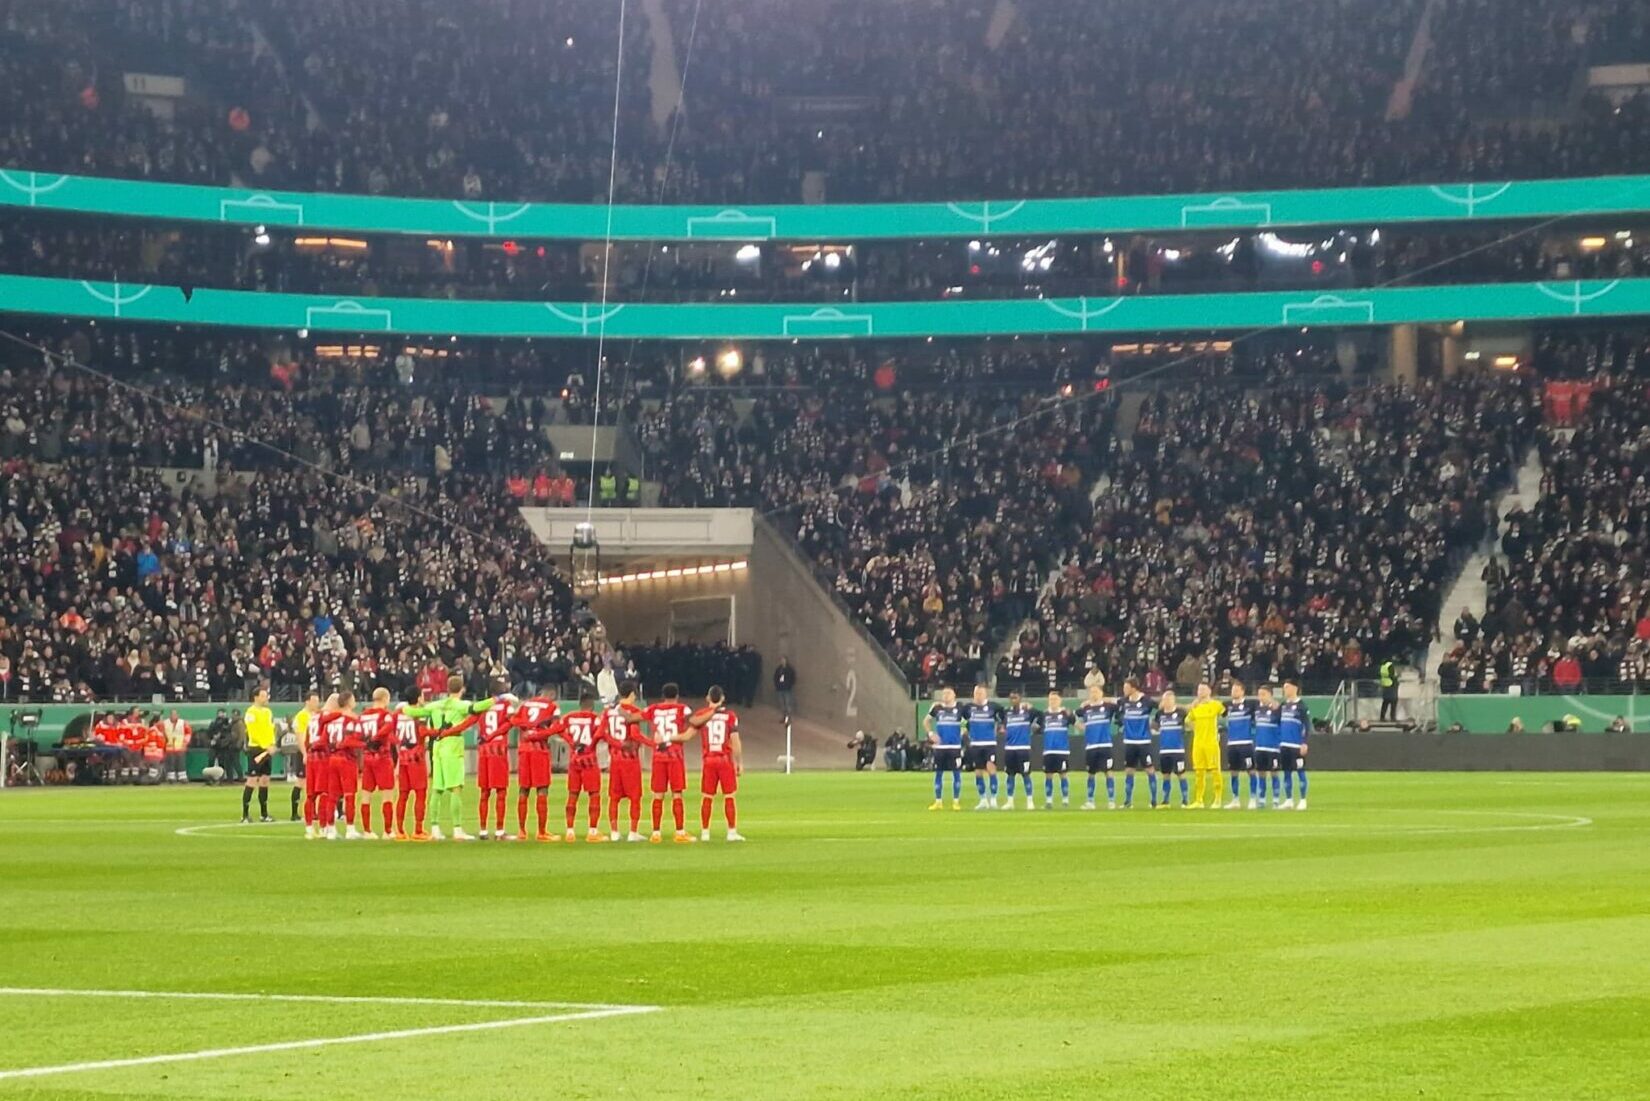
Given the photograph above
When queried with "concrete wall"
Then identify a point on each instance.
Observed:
(844, 681)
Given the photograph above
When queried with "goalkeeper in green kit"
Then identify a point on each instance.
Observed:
(447, 753)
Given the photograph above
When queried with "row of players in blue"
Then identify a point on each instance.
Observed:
(1265, 738)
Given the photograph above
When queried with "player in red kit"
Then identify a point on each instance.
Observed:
(668, 719)
(342, 731)
(719, 727)
(492, 757)
(412, 770)
(534, 721)
(317, 778)
(378, 763)
(622, 730)
(584, 771)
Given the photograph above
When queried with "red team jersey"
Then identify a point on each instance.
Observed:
(584, 772)
(716, 736)
(622, 731)
(535, 718)
(378, 766)
(669, 720)
(410, 736)
(493, 746)
(412, 765)
(341, 734)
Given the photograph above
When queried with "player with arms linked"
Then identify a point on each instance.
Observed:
(1171, 750)
(1018, 719)
(1294, 724)
(668, 719)
(1096, 717)
(982, 718)
(1268, 743)
(722, 762)
(1240, 745)
(1056, 723)
(944, 725)
(1135, 714)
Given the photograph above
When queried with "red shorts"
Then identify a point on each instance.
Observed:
(492, 771)
(378, 773)
(584, 777)
(624, 778)
(669, 773)
(413, 774)
(317, 772)
(533, 768)
(718, 776)
(346, 775)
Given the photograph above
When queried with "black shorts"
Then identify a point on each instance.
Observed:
(979, 756)
(1137, 756)
(1171, 761)
(1056, 762)
(947, 758)
(1017, 761)
(1240, 758)
(1266, 760)
(1097, 758)
(255, 767)
(1290, 758)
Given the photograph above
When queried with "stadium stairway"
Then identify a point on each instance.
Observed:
(1469, 590)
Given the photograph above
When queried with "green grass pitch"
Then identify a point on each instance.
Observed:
(1438, 936)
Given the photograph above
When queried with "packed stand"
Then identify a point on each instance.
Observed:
(933, 99)
(120, 584)
(1307, 531)
(931, 512)
(1569, 604)
(333, 520)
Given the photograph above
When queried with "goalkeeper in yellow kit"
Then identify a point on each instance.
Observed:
(1204, 719)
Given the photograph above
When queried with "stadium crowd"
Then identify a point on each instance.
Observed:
(1210, 554)
(928, 100)
(1569, 605)
(930, 512)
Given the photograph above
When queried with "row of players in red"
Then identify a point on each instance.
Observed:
(401, 755)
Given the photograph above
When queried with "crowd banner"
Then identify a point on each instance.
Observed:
(1450, 203)
(796, 321)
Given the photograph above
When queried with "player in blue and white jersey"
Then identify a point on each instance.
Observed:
(1096, 718)
(1171, 750)
(1294, 725)
(944, 724)
(1018, 719)
(1240, 745)
(1057, 723)
(981, 721)
(1135, 716)
(1268, 744)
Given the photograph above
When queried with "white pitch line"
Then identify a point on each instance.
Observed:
(327, 1041)
(326, 999)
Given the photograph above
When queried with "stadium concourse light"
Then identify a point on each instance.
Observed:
(748, 254)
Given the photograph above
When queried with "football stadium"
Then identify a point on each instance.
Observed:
(764, 549)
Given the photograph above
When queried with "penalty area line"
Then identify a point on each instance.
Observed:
(324, 1041)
